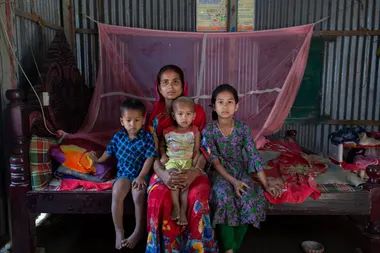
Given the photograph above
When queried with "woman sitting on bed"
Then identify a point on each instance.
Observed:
(164, 234)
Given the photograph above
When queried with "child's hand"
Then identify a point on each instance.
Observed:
(92, 155)
(139, 183)
(164, 159)
(275, 191)
(240, 187)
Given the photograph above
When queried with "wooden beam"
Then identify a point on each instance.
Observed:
(339, 203)
(352, 122)
(232, 15)
(68, 22)
(36, 19)
(329, 121)
(86, 31)
(361, 32)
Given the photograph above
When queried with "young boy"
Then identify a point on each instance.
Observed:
(135, 151)
(180, 151)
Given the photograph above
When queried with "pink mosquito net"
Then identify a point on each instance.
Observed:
(266, 67)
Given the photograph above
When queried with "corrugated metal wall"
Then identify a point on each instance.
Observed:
(31, 38)
(177, 15)
(351, 80)
(351, 68)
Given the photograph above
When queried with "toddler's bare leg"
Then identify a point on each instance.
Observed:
(183, 210)
(175, 201)
(120, 190)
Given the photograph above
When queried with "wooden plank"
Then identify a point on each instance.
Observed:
(86, 31)
(63, 202)
(37, 19)
(232, 15)
(339, 33)
(70, 202)
(342, 203)
(352, 122)
(22, 222)
(348, 203)
(328, 121)
(68, 22)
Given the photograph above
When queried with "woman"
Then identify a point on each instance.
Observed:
(164, 235)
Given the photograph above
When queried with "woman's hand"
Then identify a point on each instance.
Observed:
(174, 179)
(240, 187)
(190, 175)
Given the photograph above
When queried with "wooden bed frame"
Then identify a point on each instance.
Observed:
(25, 203)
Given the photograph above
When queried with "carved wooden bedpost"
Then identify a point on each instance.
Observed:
(22, 223)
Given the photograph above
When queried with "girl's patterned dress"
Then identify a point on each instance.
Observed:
(238, 155)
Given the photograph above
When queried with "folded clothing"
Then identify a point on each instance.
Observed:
(346, 134)
(64, 172)
(75, 184)
(73, 156)
(77, 158)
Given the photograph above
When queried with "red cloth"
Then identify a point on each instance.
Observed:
(164, 235)
(73, 184)
(296, 170)
(165, 120)
(296, 192)
(360, 163)
(160, 120)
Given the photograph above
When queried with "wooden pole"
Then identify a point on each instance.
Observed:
(36, 19)
(68, 22)
(232, 15)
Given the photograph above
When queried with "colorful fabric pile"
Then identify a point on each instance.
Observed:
(295, 171)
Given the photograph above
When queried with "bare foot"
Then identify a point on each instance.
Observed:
(119, 239)
(182, 220)
(133, 239)
(175, 213)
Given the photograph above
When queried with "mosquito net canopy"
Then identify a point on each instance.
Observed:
(266, 67)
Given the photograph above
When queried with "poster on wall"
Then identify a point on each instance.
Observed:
(211, 15)
(246, 15)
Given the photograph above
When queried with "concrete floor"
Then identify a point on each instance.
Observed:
(94, 233)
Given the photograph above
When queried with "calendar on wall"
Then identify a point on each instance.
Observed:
(246, 15)
(212, 15)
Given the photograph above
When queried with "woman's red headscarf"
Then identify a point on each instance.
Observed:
(159, 119)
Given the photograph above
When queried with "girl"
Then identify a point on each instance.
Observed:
(236, 199)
